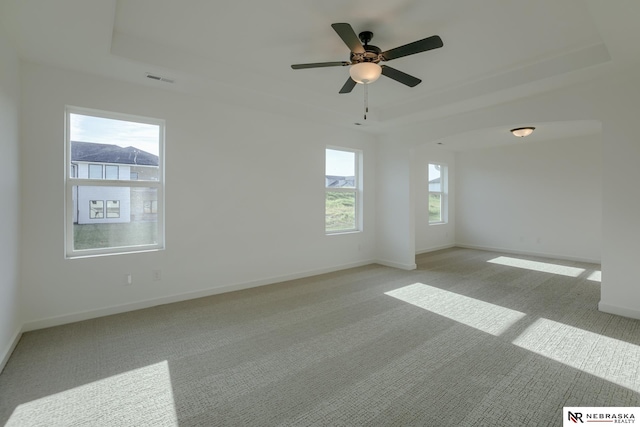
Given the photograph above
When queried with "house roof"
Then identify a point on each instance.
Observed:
(333, 181)
(110, 153)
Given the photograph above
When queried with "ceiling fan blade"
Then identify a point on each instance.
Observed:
(320, 65)
(433, 42)
(348, 86)
(399, 76)
(349, 37)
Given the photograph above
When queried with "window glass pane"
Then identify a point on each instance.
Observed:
(113, 208)
(435, 177)
(96, 209)
(340, 211)
(95, 171)
(125, 224)
(111, 172)
(150, 206)
(135, 146)
(435, 208)
(340, 169)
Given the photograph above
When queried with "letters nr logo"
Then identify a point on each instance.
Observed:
(575, 417)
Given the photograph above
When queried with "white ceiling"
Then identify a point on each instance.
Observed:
(241, 51)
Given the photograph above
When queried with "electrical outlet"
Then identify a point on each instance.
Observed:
(156, 275)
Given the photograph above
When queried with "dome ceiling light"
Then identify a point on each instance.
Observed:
(522, 132)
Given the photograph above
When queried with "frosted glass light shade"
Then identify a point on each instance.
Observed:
(365, 72)
(522, 132)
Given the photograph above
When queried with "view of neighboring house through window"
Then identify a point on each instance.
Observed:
(437, 193)
(111, 172)
(151, 206)
(113, 208)
(95, 171)
(342, 190)
(96, 209)
(114, 171)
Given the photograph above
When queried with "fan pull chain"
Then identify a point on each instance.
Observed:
(366, 100)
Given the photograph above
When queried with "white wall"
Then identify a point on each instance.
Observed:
(10, 313)
(436, 236)
(227, 161)
(395, 216)
(621, 196)
(244, 200)
(540, 198)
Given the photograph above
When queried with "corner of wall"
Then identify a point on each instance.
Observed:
(8, 351)
(10, 211)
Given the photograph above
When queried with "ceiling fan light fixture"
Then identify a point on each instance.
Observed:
(365, 72)
(522, 132)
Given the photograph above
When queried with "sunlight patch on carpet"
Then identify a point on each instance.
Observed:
(596, 276)
(139, 397)
(544, 267)
(607, 358)
(487, 317)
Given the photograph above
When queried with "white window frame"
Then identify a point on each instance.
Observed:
(356, 190)
(444, 204)
(70, 182)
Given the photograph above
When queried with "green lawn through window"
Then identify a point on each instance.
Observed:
(135, 233)
(340, 211)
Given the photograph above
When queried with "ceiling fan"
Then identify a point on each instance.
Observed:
(365, 58)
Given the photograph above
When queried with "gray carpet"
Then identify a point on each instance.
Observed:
(471, 338)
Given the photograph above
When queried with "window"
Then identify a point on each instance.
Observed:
(96, 209)
(437, 176)
(113, 208)
(95, 171)
(114, 165)
(342, 190)
(151, 206)
(111, 172)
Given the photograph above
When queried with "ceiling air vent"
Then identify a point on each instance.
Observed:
(159, 78)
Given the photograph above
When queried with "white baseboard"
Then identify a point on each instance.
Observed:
(396, 265)
(529, 253)
(123, 308)
(4, 357)
(435, 248)
(620, 311)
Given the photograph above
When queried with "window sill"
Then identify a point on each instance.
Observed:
(340, 233)
(102, 254)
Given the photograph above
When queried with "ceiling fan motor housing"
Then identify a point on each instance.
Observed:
(371, 52)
